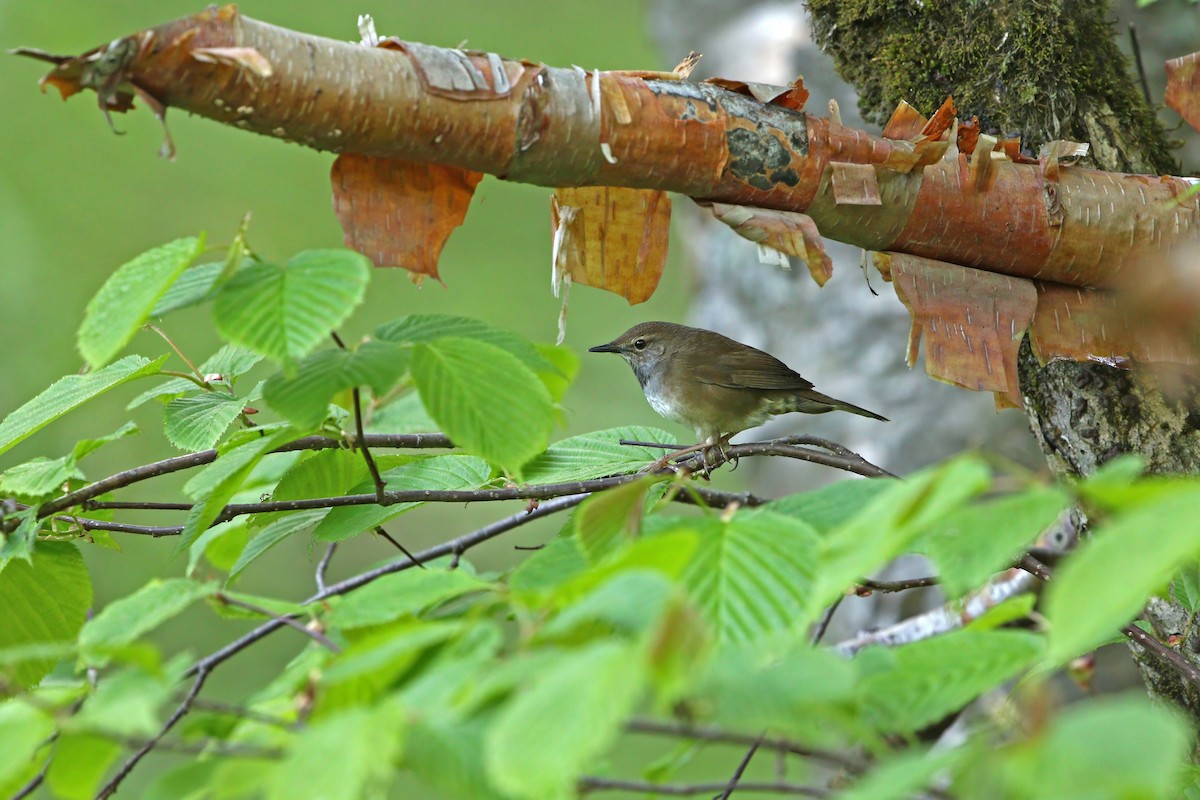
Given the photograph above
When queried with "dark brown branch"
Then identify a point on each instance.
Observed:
(409, 441)
(395, 543)
(110, 788)
(590, 783)
(867, 585)
(741, 769)
(717, 735)
(822, 625)
(323, 565)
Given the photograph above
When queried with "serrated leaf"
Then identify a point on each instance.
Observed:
(44, 601)
(39, 477)
(284, 312)
(403, 593)
(193, 286)
(18, 542)
(69, 393)
(273, 534)
(1186, 587)
(448, 756)
(220, 481)
(831, 505)
(934, 677)
(85, 447)
(229, 362)
(415, 328)
(484, 399)
(550, 567)
(972, 543)
(558, 725)
(123, 621)
(1085, 603)
(596, 455)
(885, 526)
(363, 744)
(630, 602)
(303, 396)
(752, 575)
(439, 472)
(197, 423)
(126, 299)
(602, 518)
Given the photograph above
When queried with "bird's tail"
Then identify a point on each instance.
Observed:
(812, 402)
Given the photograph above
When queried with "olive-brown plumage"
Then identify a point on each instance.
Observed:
(712, 384)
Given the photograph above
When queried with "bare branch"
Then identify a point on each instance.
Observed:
(590, 784)
(292, 622)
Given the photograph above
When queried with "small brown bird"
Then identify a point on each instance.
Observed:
(715, 385)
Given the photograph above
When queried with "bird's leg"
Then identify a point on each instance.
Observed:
(667, 458)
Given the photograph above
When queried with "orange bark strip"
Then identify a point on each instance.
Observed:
(1091, 325)
(1183, 87)
(854, 184)
(905, 123)
(616, 239)
(972, 321)
(399, 213)
(788, 232)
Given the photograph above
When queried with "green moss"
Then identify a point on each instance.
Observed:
(1043, 69)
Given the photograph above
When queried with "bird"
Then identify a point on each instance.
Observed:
(714, 385)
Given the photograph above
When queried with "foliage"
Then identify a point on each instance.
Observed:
(660, 607)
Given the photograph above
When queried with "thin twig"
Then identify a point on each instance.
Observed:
(110, 788)
(741, 768)
(717, 735)
(217, 707)
(592, 783)
(323, 565)
(284, 619)
(152, 327)
(407, 441)
(822, 625)
(360, 442)
(867, 585)
(1141, 68)
(379, 530)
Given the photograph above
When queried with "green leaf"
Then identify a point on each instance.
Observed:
(831, 505)
(629, 603)
(272, 535)
(1110, 749)
(596, 455)
(566, 367)
(126, 299)
(228, 363)
(781, 685)
(1186, 587)
(23, 731)
(1106, 581)
(360, 744)
(607, 517)
(752, 574)
(197, 423)
(39, 477)
(284, 312)
(45, 600)
(486, 400)
(405, 414)
(123, 621)
(550, 567)
(69, 393)
(193, 286)
(903, 776)
(402, 593)
(304, 396)
(80, 761)
(439, 472)
(18, 543)
(127, 701)
(189, 781)
(558, 725)
(416, 328)
(87, 446)
(974, 542)
(220, 545)
(448, 756)
(932, 678)
(886, 525)
(220, 481)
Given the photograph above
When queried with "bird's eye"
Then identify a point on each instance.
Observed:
(639, 344)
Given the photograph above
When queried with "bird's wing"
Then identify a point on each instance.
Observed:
(750, 369)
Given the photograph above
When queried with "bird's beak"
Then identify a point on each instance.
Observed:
(611, 347)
